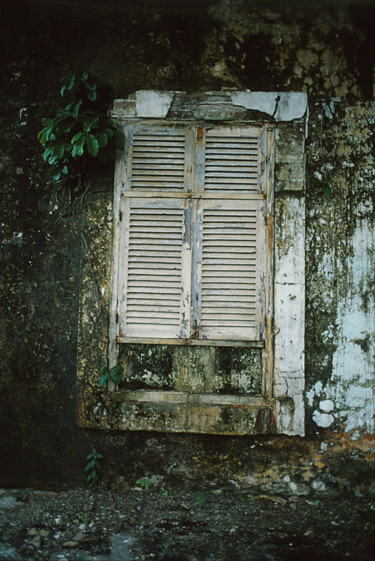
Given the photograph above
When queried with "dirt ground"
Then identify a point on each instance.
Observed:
(151, 522)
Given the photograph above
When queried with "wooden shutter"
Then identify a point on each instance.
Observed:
(232, 159)
(231, 272)
(154, 293)
(222, 168)
(157, 158)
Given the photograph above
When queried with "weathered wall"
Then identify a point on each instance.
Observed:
(329, 53)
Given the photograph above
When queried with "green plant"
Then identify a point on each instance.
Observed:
(93, 466)
(79, 133)
(144, 482)
(164, 492)
(86, 519)
(110, 375)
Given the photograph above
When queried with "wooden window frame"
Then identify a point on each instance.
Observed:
(194, 193)
(279, 407)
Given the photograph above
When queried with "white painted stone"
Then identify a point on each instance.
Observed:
(323, 420)
(290, 242)
(288, 385)
(150, 103)
(326, 405)
(289, 329)
(353, 364)
(292, 105)
(290, 419)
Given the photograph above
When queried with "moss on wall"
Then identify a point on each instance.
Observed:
(327, 52)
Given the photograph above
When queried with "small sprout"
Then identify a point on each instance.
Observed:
(93, 466)
(144, 482)
(111, 375)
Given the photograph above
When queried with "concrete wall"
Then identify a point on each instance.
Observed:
(326, 51)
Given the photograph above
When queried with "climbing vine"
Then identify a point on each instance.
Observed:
(79, 134)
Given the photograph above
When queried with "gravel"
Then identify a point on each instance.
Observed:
(165, 524)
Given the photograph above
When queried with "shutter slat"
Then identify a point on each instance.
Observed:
(153, 252)
(229, 272)
(231, 161)
(158, 160)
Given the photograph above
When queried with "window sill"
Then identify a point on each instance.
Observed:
(175, 411)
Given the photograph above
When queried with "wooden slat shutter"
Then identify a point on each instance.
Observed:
(231, 279)
(156, 158)
(155, 253)
(210, 242)
(154, 293)
(232, 158)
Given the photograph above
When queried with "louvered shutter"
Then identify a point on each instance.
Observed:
(231, 280)
(154, 296)
(200, 256)
(156, 158)
(155, 254)
(232, 160)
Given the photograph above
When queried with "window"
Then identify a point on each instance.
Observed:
(192, 254)
(206, 265)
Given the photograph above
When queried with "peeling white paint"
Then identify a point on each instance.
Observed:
(290, 106)
(323, 420)
(150, 103)
(353, 363)
(326, 405)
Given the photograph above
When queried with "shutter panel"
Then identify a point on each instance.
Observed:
(157, 158)
(154, 291)
(231, 269)
(232, 160)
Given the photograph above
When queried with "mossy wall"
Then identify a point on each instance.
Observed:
(327, 51)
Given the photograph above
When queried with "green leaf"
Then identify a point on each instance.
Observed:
(89, 122)
(46, 121)
(116, 369)
(115, 378)
(84, 77)
(92, 145)
(65, 170)
(92, 95)
(47, 152)
(102, 139)
(57, 176)
(52, 160)
(91, 86)
(78, 146)
(103, 379)
(76, 137)
(59, 150)
(76, 108)
(103, 368)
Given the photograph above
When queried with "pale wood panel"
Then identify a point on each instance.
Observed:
(228, 283)
(153, 266)
(232, 159)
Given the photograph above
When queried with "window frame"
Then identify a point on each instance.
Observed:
(194, 193)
